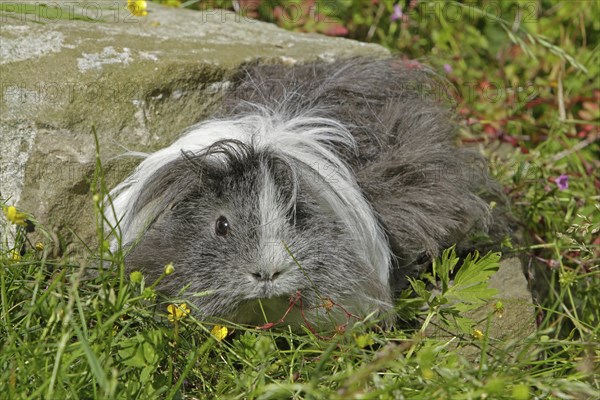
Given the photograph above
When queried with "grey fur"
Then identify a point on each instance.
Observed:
(426, 192)
(194, 192)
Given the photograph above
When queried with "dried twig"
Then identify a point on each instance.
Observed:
(581, 145)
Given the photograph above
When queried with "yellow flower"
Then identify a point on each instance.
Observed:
(15, 256)
(169, 269)
(177, 312)
(17, 218)
(39, 246)
(477, 334)
(219, 332)
(137, 7)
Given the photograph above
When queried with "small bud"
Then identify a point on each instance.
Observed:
(363, 341)
(328, 304)
(96, 198)
(39, 246)
(427, 373)
(169, 269)
(136, 276)
(149, 293)
(499, 309)
(521, 392)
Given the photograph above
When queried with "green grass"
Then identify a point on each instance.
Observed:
(67, 332)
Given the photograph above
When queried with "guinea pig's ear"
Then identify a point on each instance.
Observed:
(286, 179)
(167, 186)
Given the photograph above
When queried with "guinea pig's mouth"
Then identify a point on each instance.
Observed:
(268, 310)
(270, 290)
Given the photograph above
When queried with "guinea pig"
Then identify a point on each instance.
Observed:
(325, 183)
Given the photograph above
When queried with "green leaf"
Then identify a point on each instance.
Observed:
(419, 288)
(91, 357)
(470, 289)
(479, 297)
(132, 354)
(141, 350)
(443, 268)
(473, 272)
(465, 324)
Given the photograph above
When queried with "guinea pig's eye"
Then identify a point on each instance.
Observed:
(222, 226)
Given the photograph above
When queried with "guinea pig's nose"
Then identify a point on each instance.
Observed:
(266, 275)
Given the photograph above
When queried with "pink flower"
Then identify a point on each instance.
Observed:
(397, 14)
(447, 68)
(562, 182)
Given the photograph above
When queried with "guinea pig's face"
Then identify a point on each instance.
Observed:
(246, 229)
